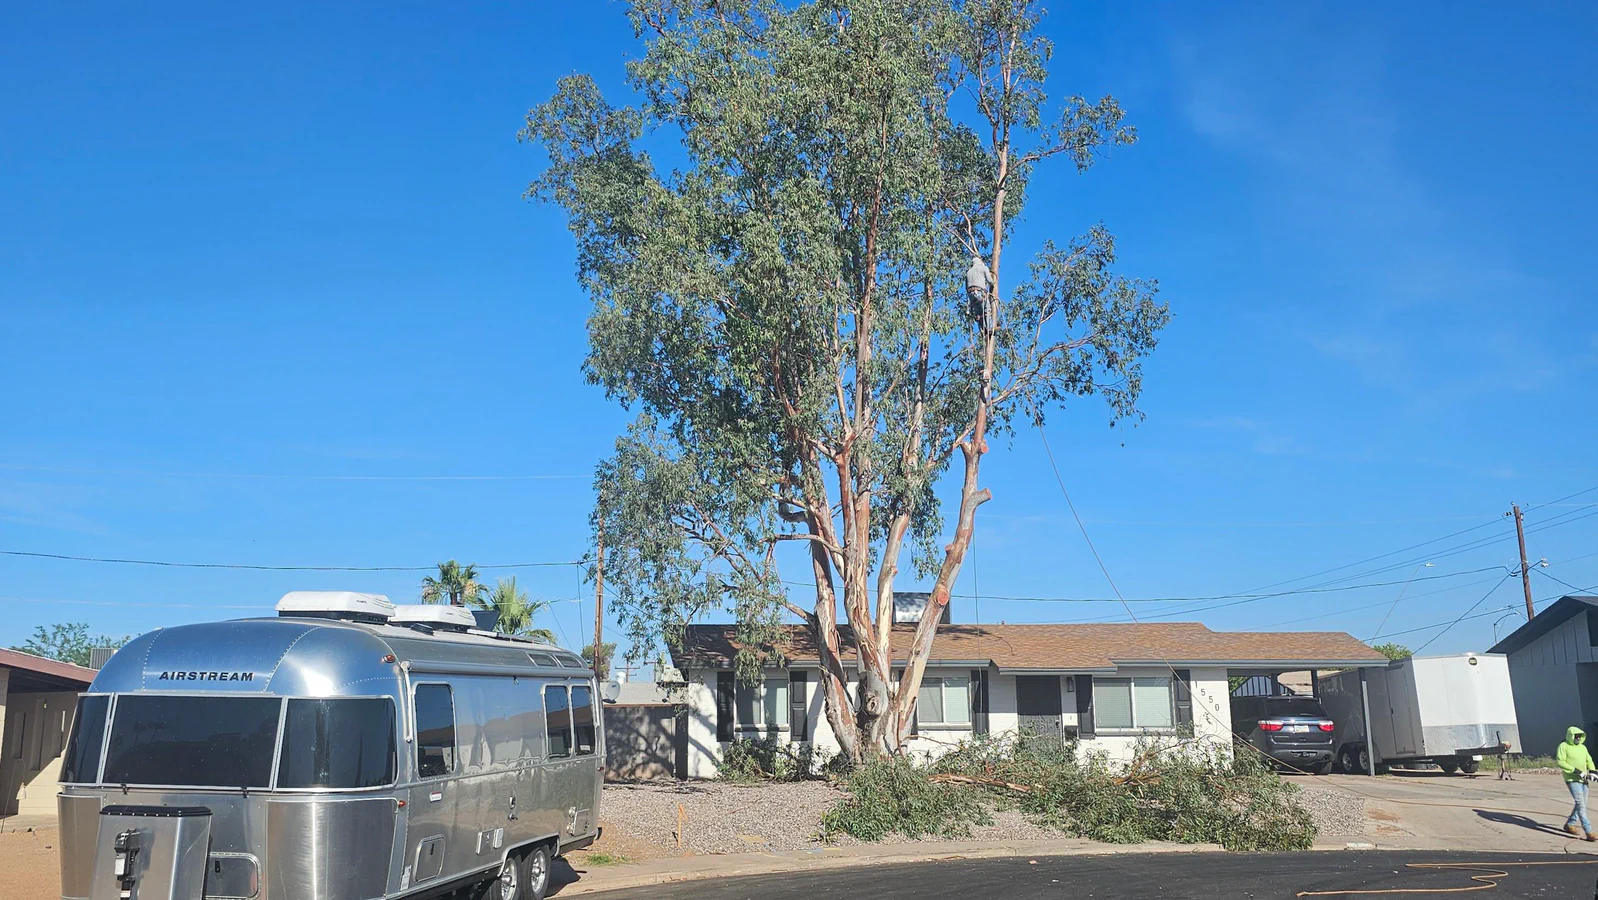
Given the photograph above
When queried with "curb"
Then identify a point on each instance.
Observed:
(732, 865)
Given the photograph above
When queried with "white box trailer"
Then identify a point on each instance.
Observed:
(1448, 710)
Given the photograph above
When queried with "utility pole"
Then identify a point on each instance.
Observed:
(599, 595)
(1525, 564)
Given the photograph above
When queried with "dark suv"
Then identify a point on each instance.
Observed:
(1293, 731)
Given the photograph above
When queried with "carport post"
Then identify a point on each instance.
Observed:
(1315, 683)
(1365, 710)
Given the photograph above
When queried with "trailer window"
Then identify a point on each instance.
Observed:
(583, 718)
(341, 743)
(82, 762)
(435, 730)
(192, 741)
(558, 721)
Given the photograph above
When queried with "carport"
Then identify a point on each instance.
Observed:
(1268, 680)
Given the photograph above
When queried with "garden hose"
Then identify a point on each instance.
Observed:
(1487, 877)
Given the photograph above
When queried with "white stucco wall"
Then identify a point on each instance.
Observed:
(1212, 718)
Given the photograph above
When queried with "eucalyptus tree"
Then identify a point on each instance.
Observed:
(807, 311)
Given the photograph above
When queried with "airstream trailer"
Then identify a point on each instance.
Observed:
(347, 749)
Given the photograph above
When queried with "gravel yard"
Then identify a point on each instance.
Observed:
(733, 818)
(641, 819)
(1335, 811)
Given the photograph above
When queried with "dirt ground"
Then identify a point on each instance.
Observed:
(28, 868)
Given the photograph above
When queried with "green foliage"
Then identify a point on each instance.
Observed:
(454, 584)
(602, 666)
(68, 642)
(749, 760)
(786, 310)
(605, 858)
(1393, 651)
(1519, 761)
(893, 794)
(1178, 792)
(515, 610)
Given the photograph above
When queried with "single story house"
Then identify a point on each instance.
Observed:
(38, 698)
(1105, 684)
(1553, 671)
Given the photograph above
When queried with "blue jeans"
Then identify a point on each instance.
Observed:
(1578, 791)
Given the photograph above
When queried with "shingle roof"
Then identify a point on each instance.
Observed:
(1086, 646)
(48, 668)
(1552, 616)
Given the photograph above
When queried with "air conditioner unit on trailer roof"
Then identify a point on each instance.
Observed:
(336, 605)
(453, 618)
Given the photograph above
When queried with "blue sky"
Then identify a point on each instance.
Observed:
(288, 243)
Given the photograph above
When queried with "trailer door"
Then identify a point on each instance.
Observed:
(1402, 701)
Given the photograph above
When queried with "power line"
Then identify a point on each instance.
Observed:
(131, 603)
(276, 476)
(1510, 608)
(1318, 590)
(1475, 544)
(141, 604)
(1275, 594)
(1339, 612)
(1462, 615)
(1563, 499)
(1545, 574)
(261, 568)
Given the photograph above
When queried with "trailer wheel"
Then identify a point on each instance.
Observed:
(1470, 766)
(1449, 766)
(511, 881)
(537, 867)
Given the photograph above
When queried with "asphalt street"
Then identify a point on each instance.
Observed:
(1200, 876)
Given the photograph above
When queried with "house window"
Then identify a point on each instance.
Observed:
(1142, 702)
(763, 706)
(944, 701)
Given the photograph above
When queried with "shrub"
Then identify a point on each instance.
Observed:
(893, 794)
(1174, 792)
(768, 759)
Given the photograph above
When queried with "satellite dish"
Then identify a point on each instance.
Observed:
(610, 691)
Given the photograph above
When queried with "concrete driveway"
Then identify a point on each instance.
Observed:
(1433, 811)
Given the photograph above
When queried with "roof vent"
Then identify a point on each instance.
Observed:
(908, 607)
(436, 616)
(346, 605)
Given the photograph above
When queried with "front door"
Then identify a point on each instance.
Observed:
(1037, 704)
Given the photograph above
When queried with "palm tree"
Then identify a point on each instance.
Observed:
(456, 584)
(516, 612)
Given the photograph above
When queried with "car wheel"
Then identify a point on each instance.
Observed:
(1470, 766)
(510, 883)
(537, 868)
(1324, 768)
